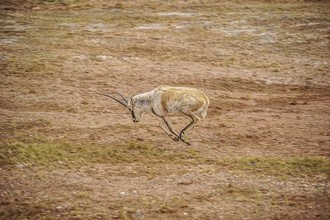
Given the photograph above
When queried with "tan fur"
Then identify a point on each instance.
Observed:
(189, 99)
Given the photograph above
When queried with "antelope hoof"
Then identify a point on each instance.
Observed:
(184, 141)
(176, 139)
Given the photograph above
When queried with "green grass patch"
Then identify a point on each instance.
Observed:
(281, 167)
(64, 154)
(26, 211)
(48, 153)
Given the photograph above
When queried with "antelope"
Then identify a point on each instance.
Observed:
(165, 101)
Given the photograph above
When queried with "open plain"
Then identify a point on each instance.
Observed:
(261, 153)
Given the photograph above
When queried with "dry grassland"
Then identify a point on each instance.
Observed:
(261, 153)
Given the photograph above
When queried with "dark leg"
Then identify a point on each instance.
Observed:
(170, 127)
(190, 126)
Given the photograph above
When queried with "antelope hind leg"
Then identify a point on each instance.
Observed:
(190, 126)
(168, 127)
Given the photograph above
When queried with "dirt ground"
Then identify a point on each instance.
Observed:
(262, 152)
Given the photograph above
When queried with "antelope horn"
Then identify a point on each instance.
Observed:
(124, 102)
(123, 97)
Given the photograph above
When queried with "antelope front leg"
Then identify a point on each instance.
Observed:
(163, 125)
(168, 127)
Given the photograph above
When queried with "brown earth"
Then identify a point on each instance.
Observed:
(261, 153)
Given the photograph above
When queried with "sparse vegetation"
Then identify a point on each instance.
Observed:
(281, 167)
(67, 155)
(262, 152)
(64, 154)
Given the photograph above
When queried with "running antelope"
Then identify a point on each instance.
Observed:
(165, 101)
